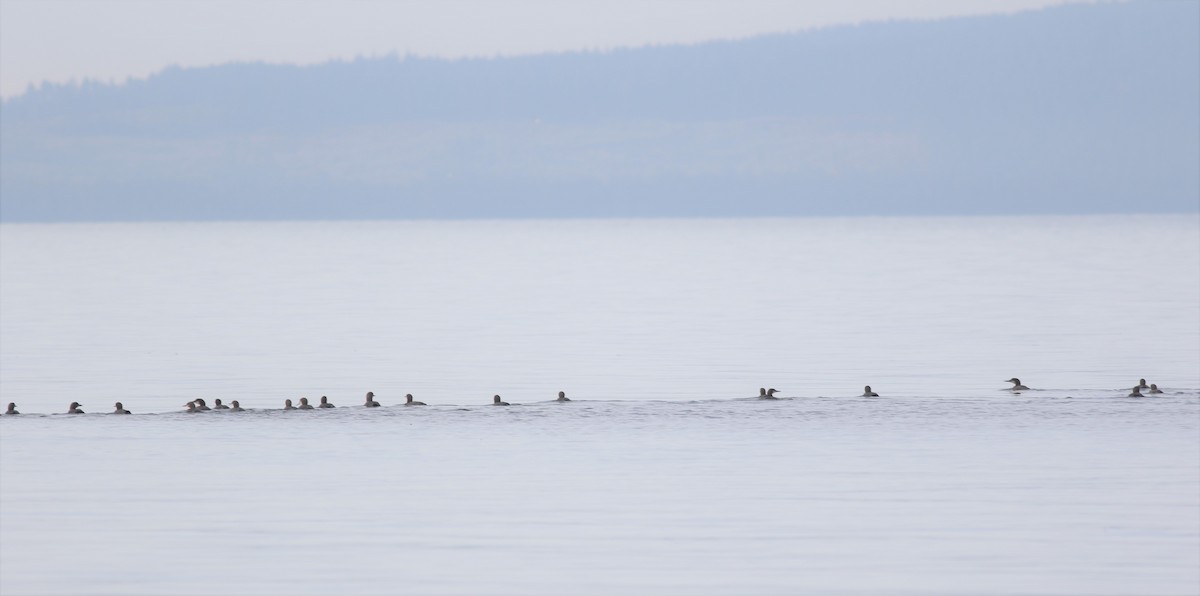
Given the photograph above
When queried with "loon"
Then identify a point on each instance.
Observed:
(562, 397)
(771, 394)
(200, 405)
(12, 409)
(191, 407)
(408, 400)
(304, 404)
(868, 393)
(1137, 392)
(496, 401)
(762, 393)
(236, 407)
(1142, 384)
(287, 405)
(1017, 386)
(325, 403)
(371, 403)
(121, 409)
(1154, 388)
(74, 409)
(217, 405)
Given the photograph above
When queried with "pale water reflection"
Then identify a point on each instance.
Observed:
(1007, 494)
(664, 474)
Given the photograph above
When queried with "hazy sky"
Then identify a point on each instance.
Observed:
(110, 40)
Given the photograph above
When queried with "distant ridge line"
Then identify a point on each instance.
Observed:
(1072, 109)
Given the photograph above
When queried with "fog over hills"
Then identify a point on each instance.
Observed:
(1074, 109)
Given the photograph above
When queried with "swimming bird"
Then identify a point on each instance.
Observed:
(1154, 388)
(304, 404)
(325, 403)
(371, 403)
(562, 397)
(771, 394)
(200, 405)
(287, 405)
(868, 393)
(762, 393)
(191, 407)
(74, 409)
(496, 401)
(1017, 386)
(235, 406)
(408, 400)
(217, 405)
(121, 409)
(1137, 392)
(12, 409)
(1142, 384)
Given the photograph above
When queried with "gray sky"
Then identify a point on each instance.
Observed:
(111, 40)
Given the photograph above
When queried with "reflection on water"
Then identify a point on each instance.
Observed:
(1026, 494)
(660, 477)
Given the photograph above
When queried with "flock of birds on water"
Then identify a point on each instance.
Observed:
(200, 405)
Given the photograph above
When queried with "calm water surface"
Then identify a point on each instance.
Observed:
(661, 477)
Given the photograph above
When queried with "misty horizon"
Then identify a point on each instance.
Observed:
(1073, 109)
